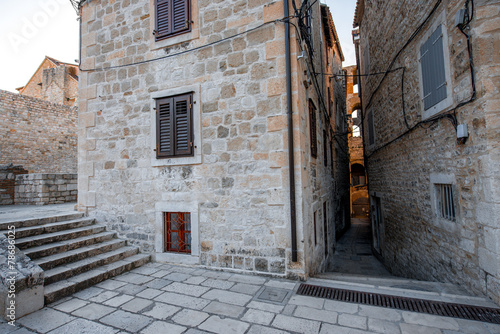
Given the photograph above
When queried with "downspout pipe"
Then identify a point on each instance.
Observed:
(291, 160)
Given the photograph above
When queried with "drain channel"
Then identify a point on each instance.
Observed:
(470, 312)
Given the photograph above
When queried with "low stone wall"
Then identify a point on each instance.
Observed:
(43, 189)
(8, 175)
(21, 282)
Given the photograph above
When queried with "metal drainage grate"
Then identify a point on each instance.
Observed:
(485, 314)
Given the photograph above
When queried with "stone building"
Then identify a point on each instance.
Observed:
(53, 81)
(359, 189)
(431, 123)
(185, 132)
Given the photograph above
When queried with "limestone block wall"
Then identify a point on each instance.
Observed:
(403, 173)
(8, 175)
(236, 185)
(43, 189)
(38, 135)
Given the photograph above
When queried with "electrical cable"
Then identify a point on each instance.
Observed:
(185, 51)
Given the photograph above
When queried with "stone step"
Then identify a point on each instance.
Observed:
(75, 268)
(51, 261)
(67, 245)
(46, 238)
(79, 282)
(18, 223)
(24, 232)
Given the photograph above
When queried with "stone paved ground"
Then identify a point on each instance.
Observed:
(160, 298)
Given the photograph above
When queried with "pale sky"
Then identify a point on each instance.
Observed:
(33, 29)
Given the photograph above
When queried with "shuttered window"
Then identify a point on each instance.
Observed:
(433, 70)
(312, 124)
(172, 18)
(174, 128)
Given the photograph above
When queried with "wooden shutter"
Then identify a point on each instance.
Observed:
(164, 127)
(172, 17)
(183, 131)
(433, 72)
(163, 21)
(312, 124)
(174, 129)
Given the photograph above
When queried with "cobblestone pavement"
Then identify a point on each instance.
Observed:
(160, 298)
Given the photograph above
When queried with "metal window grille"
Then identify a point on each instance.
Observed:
(177, 232)
(445, 203)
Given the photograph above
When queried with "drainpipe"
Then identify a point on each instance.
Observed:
(291, 161)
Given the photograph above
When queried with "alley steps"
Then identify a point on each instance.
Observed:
(73, 251)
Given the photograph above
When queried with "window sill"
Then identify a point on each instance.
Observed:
(196, 160)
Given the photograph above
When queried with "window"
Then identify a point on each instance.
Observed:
(445, 205)
(356, 131)
(172, 18)
(436, 93)
(177, 232)
(174, 132)
(312, 124)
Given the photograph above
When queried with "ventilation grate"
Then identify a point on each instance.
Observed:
(485, 314)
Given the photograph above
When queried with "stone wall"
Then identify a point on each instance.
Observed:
(405, 164)
(8, 175)
(38, 135)
(236, 186)
(43, 189)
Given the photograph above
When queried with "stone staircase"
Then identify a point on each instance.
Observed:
(73, 251)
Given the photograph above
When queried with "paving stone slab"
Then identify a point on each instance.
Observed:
(383, 326)
(23, 331)
(354, 321)
(110, 284)
(247, 279)
(186, 289)
(149, 293)
(163, 327)
(134, 278)
(145, 270)
(161, 273)
(177, 277)
(88, 293)
(418, 329)
(182, 300)
(93, 311)
(296, 324)
(217, 284)
(228, 297)
(106, 295)
(131, 289)
(190, 318)
(307, 301)
(83, 326)
(430, 320)
(126, 321)
(162, 311)
(334, 329)
(224, 326)
(70, 305)
(157, 283)
(248, 289)
(136, 305)
(258, 329)
(224, 309)
(315, 314)
(341, 307)
(45, 320)
(266, 306)
(281, 284)
(119, 300)
(380, 313)
(258, 317)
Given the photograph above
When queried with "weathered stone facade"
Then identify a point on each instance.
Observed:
(38, 135)
(236, 185)
(412, 154)
(54, 81)
(43, 189)
(8, 175)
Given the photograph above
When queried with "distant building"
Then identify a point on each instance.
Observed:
(53, 81)
(359, 189)
(431, 117)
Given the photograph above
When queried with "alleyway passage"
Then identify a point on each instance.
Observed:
(353, 254)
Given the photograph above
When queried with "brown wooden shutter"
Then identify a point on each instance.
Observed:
(163, 21)
(180, 16)
(172, 17)
(164, 127)
(183, 128)
(312, 124)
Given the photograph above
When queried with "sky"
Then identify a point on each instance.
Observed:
(33, 29)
